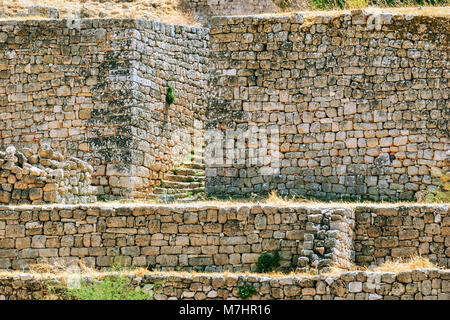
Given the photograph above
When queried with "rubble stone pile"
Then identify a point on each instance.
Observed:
(46, 177)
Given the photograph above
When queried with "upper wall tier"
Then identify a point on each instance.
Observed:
(96, 90)
(352, 105)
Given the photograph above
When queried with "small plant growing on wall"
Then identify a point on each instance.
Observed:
(268, 262)
(246, 291)
(170, 96)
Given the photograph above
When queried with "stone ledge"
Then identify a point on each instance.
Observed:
(219, 238)
(418, 284)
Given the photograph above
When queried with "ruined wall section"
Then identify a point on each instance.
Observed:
(386, 234)
(360, 101)
(205, 9)
(64, 84)
(43, 178)
(95, 89)
(419, 284)
(166, 134)
(205, 237)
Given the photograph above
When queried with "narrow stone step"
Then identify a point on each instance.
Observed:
(184, 178)
(180, 185)
(189, 172)
(197, 158)
(177, 191)
(194, 165)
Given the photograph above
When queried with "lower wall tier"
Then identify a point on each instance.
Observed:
(419, 284)
(222, 237)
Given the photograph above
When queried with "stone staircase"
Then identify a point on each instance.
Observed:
(186, 181)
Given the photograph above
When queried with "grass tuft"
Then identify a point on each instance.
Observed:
(406, 264)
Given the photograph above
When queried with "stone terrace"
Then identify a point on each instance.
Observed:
(222, 237)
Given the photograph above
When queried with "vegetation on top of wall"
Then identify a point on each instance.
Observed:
(327, 4)
(80, 283)
(356, 4)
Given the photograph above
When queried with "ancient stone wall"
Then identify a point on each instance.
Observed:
(352, 105)
(65, 84)
(218, 238)
(383, 234)
(45, 177)
(232, 7)
(165, 134)
(205, 9)
(356, 105)
(420, 284)
(95, 89)
(169, 237)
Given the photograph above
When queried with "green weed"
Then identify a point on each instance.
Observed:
(268, 262)
(246, 291)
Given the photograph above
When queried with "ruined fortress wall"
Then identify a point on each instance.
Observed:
(421, 284)
(166, 134)
(95, 89)
(170, 237)
(383, 234)
(219, 238)
(232, 7)
(205, 9)
(358, 105)
(66, 85)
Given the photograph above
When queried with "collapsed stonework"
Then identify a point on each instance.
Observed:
(46, 177)
(204, 10)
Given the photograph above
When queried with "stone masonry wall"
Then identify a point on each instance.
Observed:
(95, 89)
(170, 237)
(358, 103)
(165, 134)
(64, 84)
(383, 234)
(45, 177)
(218, 238)
(419, 284)
(205, 9)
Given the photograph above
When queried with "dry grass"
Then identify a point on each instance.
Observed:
(159, 10)
(426, 10)
(45, 271)
(272, 200)
(276, 200)
(169, 10)
(408, 264)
